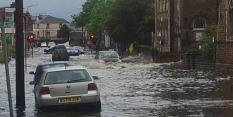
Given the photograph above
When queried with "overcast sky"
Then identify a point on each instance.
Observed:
(57, 8)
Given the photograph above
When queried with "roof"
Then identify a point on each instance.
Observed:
(50, 19)
(64, 68)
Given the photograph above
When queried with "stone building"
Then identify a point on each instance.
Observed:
(224, 53)
(46, 26)
(181, 23)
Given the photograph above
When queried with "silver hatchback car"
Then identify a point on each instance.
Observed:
(67, 86)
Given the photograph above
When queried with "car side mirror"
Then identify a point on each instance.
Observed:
(31, 83)
(95, 77)
(31, 72)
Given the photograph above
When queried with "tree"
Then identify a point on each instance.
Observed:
(124, 20)
(83, 18)
(207, 41)
(79, 20)
(64, 32)
(130, 20)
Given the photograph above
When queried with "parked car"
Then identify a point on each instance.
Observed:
(45, 65)
(67, 86)
(108, 56)
(80, 49)
(51, 50)
(60, 55)
(73, 51)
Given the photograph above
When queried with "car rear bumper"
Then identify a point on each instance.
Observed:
(47, 100)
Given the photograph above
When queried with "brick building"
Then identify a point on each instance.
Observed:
(181, 23)
(224, 53)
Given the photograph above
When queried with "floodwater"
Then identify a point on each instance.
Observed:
(131, 90)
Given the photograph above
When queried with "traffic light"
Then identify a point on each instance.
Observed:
(92, 36)
(30, 37)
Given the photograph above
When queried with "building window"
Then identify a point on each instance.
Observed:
(199, 24)
(47, 35)
(47, 26)
(38, 26)
(158, 6)
(230, 26)
(60, 25)
(162, 6)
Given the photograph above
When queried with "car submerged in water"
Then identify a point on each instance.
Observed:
(108, 56)
(60, 55)
(66, 87)
(52, 49)
(73, 51)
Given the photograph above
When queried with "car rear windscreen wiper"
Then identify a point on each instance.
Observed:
(72, 81)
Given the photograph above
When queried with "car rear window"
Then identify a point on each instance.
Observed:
(67, 76)
(60, 53)
(55, 65)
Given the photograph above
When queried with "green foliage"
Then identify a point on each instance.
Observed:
(64, 32)
(79, 20)
(206, 42)
(130, 20)
(124, 20)
(11, 52)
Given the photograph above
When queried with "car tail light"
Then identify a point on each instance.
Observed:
(44, 90)
(92, 86)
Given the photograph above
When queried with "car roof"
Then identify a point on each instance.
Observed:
(64, 68)
(108, 51)
(54, 62)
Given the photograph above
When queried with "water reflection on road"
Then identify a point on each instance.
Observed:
(131, 89)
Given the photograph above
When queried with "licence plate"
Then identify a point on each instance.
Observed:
(69, 99)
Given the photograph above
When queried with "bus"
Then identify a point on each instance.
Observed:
(76, 38)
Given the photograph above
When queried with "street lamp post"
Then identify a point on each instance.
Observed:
(27, 15)
(31, 6)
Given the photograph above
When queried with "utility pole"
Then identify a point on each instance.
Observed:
(4, 48)
(20, 89)
(155, 34)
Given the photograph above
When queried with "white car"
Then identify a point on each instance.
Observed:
(67, 86)
(43, 44)
(108, 56)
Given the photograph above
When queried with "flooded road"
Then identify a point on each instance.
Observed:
(131, 90)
